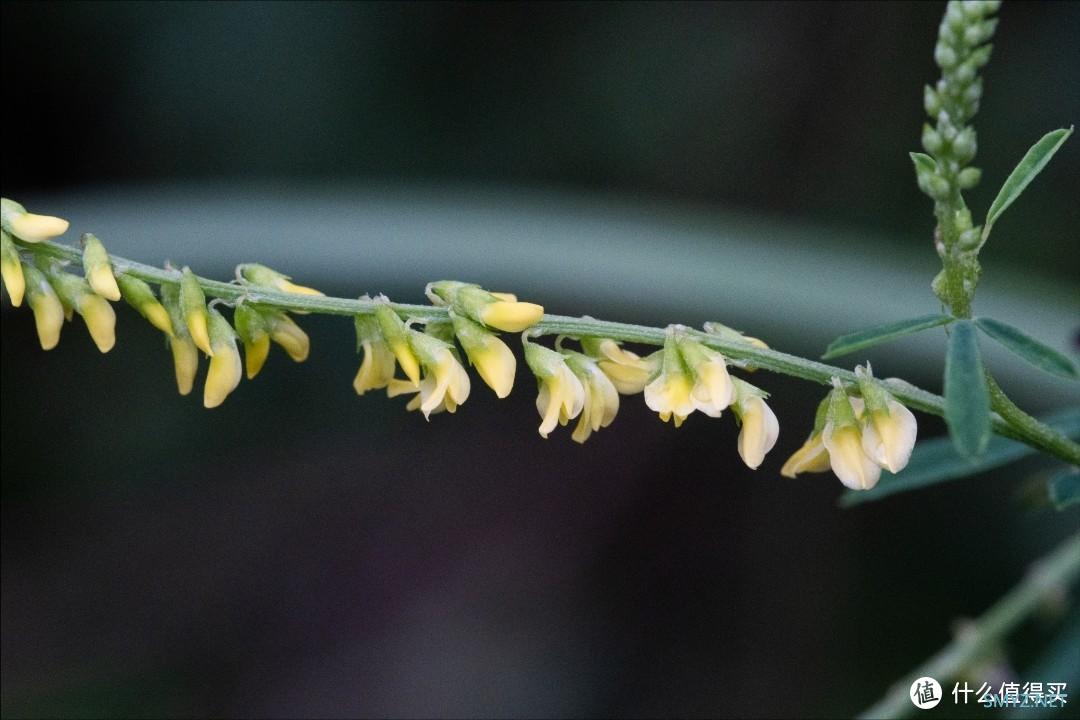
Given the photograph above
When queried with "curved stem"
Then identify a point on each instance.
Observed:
(1052, 574)
(914, 397)
(1065, 448)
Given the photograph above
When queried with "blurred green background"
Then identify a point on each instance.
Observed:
(300, 552)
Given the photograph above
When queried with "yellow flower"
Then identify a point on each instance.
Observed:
(29, 227)
(444, 385)
(377, 367)
(100, 320)
(842, 437)
(185, 354)
(288, 335)
(252, 330)
(11, 269)
(193, 306)
(492, 359)
(48, 310)
(226, 368)
(629, 372)
(561, 395)
(140, 296)
(671, 393)
(888, 428)
(396, 336)
(501, 311)
(759, 425)
(812, 457)
(98, 269)
(713, 389)
(265, 277)
(601, 398)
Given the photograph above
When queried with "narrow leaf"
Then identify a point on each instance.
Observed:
(936, 461)
(846, 344)
(1030, 166)
(967, 402)
(1064, 489)
(1041, 356)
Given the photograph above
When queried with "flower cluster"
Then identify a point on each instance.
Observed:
(857, 437)
(55, 293)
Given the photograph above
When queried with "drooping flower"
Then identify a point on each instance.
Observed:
(286, 333)
(48, 310)
(193, 308)
(11, 269)
(226, 368)
(377, 366)
(561, 395)
(812, 457)
(671, 393)
(888, 428)
(492, 359)
(842, 437)
(184, 352)
(759, 425)
(140, 296)
(251, 327)
(98, 269)
(397, 339)
(444, 384)
(501, 311)
(628, 372)
(601, 399)
(29, 227)
(713, 389)
(96, 312)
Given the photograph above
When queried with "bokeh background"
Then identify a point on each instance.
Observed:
(302, 552)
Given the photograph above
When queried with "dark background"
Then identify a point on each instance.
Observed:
(302, 552)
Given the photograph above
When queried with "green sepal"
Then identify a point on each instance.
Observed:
(192, 298)
(251, 325)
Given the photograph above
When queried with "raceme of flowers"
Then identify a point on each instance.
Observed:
(858, 431)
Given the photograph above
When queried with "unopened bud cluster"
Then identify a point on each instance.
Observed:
(857, 436)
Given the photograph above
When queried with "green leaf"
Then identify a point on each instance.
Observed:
(1030, 166)
(1041, 356)
(936, 461)
(846, 344)
(1064, 488)
(967, 401)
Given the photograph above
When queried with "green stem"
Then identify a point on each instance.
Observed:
(1064, 448)
(764, 359)
(1050, 575)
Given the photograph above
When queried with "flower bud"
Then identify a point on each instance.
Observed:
(193, 307)
(964, 145)
(760, 428)
(969, 177)
(496, 311)
(492, 359)
(225, 367)
(48, 311)
(29, 227)
(185, 354)
(98, 269)
(97, 314)
(931, 101)
(140, 296)
(561, 395)
(265, 277)
(252, 330)
(931, 140)
(11, 269)
(397, 339)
